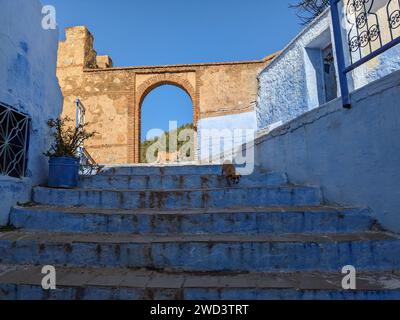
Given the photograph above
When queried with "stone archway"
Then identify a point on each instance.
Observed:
(175, 79)
(113, 95)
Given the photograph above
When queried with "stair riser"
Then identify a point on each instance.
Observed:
(31, 292)
(159, 182)
(203, 257)
(178, 199)
(246, 223)
(168, 170)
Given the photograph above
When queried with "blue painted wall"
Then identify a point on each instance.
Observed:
(354, 155)
(28, 56)
(388, 63)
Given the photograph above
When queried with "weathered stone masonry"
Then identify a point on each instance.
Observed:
(113, 96)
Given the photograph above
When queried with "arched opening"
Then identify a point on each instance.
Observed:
(167, 120)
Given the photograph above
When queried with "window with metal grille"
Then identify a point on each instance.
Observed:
(14, 130)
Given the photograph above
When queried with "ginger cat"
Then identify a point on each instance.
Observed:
(229, 172)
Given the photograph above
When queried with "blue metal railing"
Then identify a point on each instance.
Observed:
(365, 38)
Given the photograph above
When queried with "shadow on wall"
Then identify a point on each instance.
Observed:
(354, 155)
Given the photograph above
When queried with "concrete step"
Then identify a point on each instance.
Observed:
(178, 199)
(24, 283)
(174, 182)
(250, 220)
(179, 169)
(204, 253)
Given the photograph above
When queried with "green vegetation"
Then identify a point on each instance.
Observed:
(146, 144)
(67, 138)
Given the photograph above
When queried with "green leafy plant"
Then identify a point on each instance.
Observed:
(67, 139)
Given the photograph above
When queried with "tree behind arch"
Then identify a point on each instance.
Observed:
(308, 10)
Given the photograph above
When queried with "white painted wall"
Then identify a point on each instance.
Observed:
(286, 85)
(28, 82)
(354, 155)
(289, 86)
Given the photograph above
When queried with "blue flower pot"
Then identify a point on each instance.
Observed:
(63, 172)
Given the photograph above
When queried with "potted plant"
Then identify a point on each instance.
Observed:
(64, 152)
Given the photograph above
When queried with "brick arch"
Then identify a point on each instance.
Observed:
(160, 80)
(149, 85)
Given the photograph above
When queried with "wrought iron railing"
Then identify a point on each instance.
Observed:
(14, 138)
(88, 165)
(371, 26)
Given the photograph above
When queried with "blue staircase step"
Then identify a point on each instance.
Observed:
(204, 253)
(133, 170)
(24, 283)
(179, 199)
(174, 182)
(251, 220)
(261, 239)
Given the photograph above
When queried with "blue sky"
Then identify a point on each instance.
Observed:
(156, 32)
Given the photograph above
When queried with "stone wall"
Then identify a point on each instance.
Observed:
(353, 154)
(113, 96)
(28, 83)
